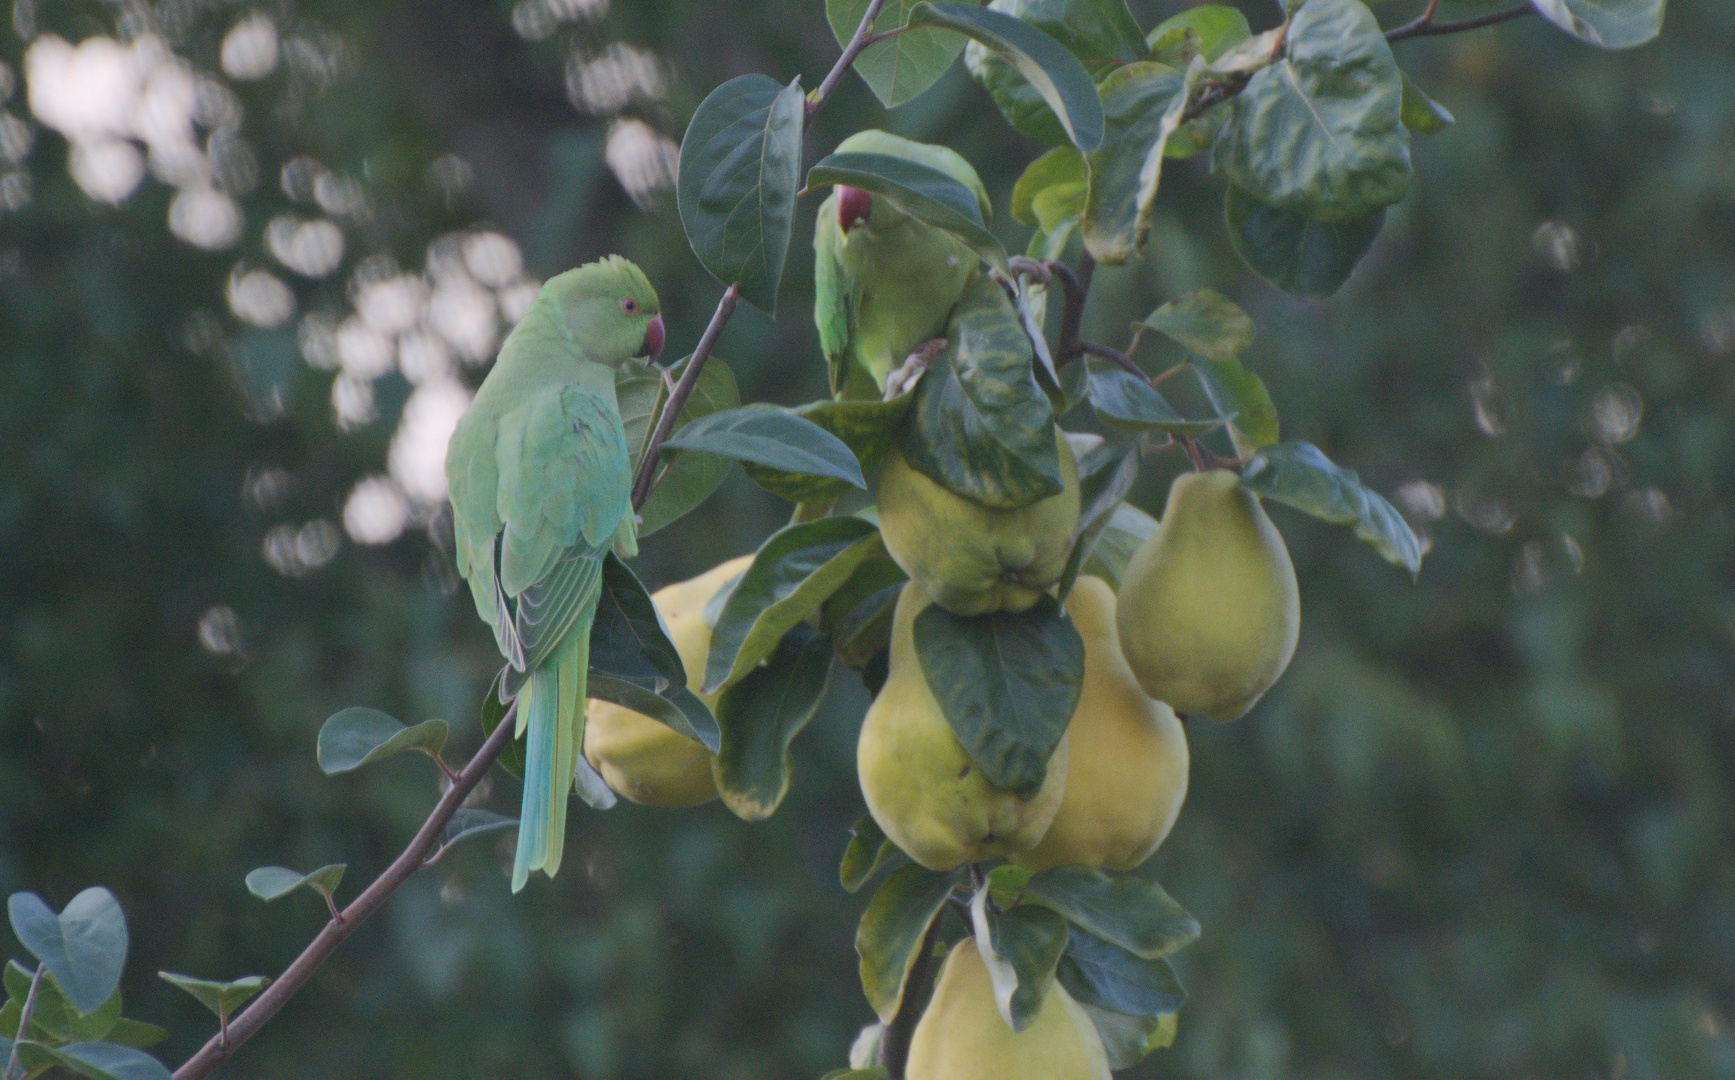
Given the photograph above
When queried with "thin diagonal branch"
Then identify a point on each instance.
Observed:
(1120, 358)
(857, 42)
(266, 1005)
(24, 1021)
(679, 395)
(1425, 26)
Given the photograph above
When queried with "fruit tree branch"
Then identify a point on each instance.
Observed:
(679, 395)
(857, 42)
(23, 1031)
(895, 1039)
(266, 1005)
(1425, 26)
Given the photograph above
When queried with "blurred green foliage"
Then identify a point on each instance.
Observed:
(1483, 827)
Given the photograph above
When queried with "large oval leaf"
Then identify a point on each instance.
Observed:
(774, 437)
(1206, 323)
(1020, 948)
(891, 928)
(867, 427)
(740, 167)
(924, 193)
(1100, 973)
(1100, 33)
(1303, 256)
(1299, 475)
(359, 736)
(633, 662)
(898, 68)
(1129, 403)
(94, 1060)
(1209, 30)
(1122, 909)
(84, 947)
(1007, 683)
(1611, 24)
(1319, 131)
(1055, 74)
(1060, 166)
(762, 714)
(982, 427)
(793, 573)
(1142, 104)
(690, 478)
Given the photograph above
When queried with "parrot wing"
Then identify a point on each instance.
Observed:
(836, 293)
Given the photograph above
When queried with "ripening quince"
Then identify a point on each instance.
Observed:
(646, 760)
(971, 558)
(1126, 762)
(919, 782)
(961, 1035)
(1208, 608)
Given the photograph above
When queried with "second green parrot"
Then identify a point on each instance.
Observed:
(885, 282)
(541, 488)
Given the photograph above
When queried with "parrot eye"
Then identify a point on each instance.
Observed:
(630, 306)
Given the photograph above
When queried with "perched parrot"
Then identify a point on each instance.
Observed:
(885, 282)
(541, 488)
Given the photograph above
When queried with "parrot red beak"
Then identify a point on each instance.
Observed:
(653, 344)
(853, 206)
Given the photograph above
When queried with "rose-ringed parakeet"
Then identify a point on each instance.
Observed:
(541, 485)
(885, 282)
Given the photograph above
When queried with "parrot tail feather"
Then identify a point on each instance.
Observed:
(573, 663)
(540, 714)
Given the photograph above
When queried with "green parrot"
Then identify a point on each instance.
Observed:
(541, 488)
(885, 282)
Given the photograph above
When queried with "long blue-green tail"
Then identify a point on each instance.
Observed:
(552, 712)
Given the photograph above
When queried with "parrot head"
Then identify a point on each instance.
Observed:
(611, 309)
(856, 207)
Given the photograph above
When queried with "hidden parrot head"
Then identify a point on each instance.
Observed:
(857, 207)
(610, 307)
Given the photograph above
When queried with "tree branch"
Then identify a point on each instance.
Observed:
(24, 1020)
(1120, 358)
(895, 1039)
(266, 1005)
(857, 42)
(1076, 286)
(679, 395)
(1425, 26)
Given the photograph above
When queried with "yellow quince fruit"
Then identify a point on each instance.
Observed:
(962, 1036)
(1208, 609)
(1126, 763)
(644, 759)
(920, 783)
(971, 558)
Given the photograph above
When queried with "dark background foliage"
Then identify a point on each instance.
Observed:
(1481, 829)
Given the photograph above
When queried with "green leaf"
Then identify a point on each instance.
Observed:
(270, 883)
(96, 1060)
(791, 576)
(135, 1033)
(1303, 256)
(1240, 396)
(1209, 30)
(1096, 972)
(1007, 683)
(774, 437)
(222, 998)
(1318, 132)
(633, 662)
(84, 947)
(1127, 1040)
(1100, 33)
(1297, 474)
(868, 853)
(868, 428)
(924, 193)
(1129, 403)
(52, 1017)
(465, 824)
(1106, 473)
(761, 714)
(689, 480)
(493, 711)
(359, 736)
(740, 167)
(1122, 909)
(1610, 24)
(858, 616)
(872, 1072)
(982, 427)
(1060, 167)
(1020, 948)
(1127, 530)
(1053, 72)
(1206, 323)
(896, 920)
(1142, 104)
(638, 392)
(1422, 114)
(897, 69)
